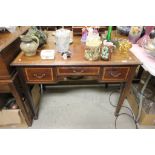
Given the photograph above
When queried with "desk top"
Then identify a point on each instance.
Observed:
(7, 38)
(77, 56)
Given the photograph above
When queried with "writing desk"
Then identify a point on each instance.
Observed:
(34, 70)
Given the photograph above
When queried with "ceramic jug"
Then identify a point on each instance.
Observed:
(29, 45)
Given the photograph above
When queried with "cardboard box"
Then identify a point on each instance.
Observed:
(11, 117)
(148, 109)
(145, 118)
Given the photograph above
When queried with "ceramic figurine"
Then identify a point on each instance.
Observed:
(84, 34)
(89, 31)
(95, 30)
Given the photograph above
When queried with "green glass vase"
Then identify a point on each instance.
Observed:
(109, 33)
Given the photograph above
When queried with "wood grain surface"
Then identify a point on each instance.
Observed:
(77, 56)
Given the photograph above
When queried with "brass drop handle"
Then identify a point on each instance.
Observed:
(115, 74)
(82, 71)
(39, 76)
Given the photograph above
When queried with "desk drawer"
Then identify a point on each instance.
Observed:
(42, 75)
(115, 73)
(4, 88)
(78, 70)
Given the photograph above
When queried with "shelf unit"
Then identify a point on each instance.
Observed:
(9, 79)
(13, 86)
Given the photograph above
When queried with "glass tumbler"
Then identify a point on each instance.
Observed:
(62, 38)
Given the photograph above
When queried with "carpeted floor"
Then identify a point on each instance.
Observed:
(85, 107)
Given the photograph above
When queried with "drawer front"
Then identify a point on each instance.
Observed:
(4, 88)
(39, 74)
(115, 73)
(78, 70)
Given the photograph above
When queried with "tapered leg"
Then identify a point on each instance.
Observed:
(125, 90)
(27, 94)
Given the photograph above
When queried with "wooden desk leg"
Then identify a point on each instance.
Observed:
(125, 90)
(27, 93)
(15, 90)
(20, 104)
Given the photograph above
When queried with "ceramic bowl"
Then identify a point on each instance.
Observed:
(150, 49)
(151, 53)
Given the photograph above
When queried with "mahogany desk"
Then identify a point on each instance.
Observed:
(34, 70)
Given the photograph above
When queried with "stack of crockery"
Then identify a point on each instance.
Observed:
(150, 47)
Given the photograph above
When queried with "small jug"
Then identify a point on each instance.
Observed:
(29, 45)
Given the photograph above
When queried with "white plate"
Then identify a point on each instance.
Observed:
(150, 52)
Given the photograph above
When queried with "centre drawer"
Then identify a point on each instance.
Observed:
(39, 75)
(78, 70)
(115, 73)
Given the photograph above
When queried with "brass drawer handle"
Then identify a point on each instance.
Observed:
(39, 76)
(74, 71)
(115, 74)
